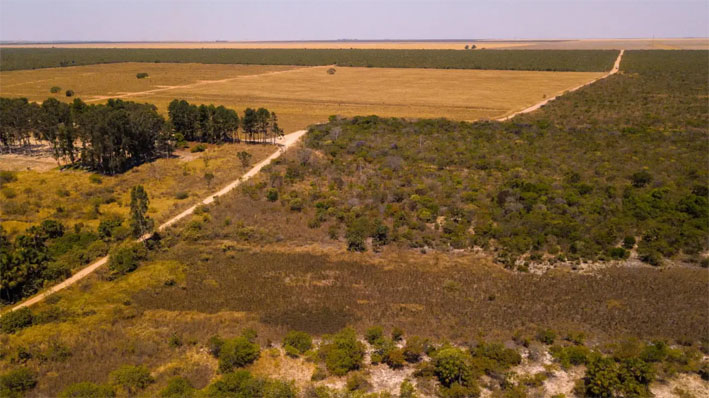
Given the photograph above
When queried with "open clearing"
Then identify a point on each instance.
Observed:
(583, 44)
(304, 95)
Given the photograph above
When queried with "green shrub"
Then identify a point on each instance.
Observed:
(198, 148)
(629, 242)
(395, 358)
(374, 335)
(241, 384)
(414, 349)
(357, 381)
(15, 382)
(272, 194)
(182, 195)
(407, 390)
(301, 341)
(125, 258)
(178, 387)
(214, 345)
(296, 204)
(546, 336)
(141, 75)
(641, 179)
(8, 192)
(69, 93)
(7, 176)
(236, 353)
(397, 334)
(87, 390)
(342, 352)
(571, 355)
(606, 377)
(452, 365)
(55, 89)
(131, 378)
(16, 320)
(618, 253)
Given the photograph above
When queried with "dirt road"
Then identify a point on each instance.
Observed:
(285, 143)
(613, 71)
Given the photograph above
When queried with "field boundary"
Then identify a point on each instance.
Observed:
(613, 71)
(288, 141)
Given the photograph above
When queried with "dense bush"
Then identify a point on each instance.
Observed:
(16, 320)
(131, 378)
(301, 341)
(87, 390)
(236, 353)
(125, 258)
(342, 352)
(178, 387)
(55, 89)
(606, 377)
(453, 365)
(15, 382)
(241, 384)
(141, 75)
(448, 185)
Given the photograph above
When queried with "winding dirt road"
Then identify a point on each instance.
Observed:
(613, 71)
(287, 141)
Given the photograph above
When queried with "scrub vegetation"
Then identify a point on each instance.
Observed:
(391, 257)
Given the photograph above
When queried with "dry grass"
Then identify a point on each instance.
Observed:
(69, 195)
(305, 95)
(584, 44)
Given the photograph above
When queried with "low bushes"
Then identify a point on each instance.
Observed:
(299, 341)
(125, 258)
(15, 382)
(236, 353)
(16, 320)
(342, 352)
(131, 378)
(88, 390)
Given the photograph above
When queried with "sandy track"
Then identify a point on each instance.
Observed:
(287, 142)
(196, 84)
(613, 71)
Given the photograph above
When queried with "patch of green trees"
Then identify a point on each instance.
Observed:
(207, 123)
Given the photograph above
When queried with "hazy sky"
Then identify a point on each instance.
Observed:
(207, 20)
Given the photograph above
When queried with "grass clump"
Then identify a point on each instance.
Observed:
(88, 390)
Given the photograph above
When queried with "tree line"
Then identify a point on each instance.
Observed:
(207, 123)
(113, 137)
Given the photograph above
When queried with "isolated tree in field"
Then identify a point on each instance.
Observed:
(140, 224)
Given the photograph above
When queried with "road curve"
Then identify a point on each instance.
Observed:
(613, 71)
(287, 141)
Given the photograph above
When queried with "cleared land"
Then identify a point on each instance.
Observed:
(582, 44)
(304, 95)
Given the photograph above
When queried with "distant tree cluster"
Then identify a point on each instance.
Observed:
(207, 123)
(114, 137)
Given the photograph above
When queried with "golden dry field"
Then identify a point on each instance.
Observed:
(75, 196)
(304, 95)
(571, 44)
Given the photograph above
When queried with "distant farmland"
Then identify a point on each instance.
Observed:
(538, 60)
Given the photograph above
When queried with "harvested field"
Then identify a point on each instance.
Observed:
(305, 95)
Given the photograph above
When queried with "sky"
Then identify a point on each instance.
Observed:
(274, 20)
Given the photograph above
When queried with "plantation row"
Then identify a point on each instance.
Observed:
(439, 368)
(597, 175)
(542, 60)
(114, 137)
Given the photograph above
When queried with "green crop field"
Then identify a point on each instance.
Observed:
(544, 60)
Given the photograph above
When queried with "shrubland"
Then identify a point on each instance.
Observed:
(553, 186)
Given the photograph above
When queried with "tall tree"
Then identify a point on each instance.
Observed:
(249, 123)
(140, 224)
